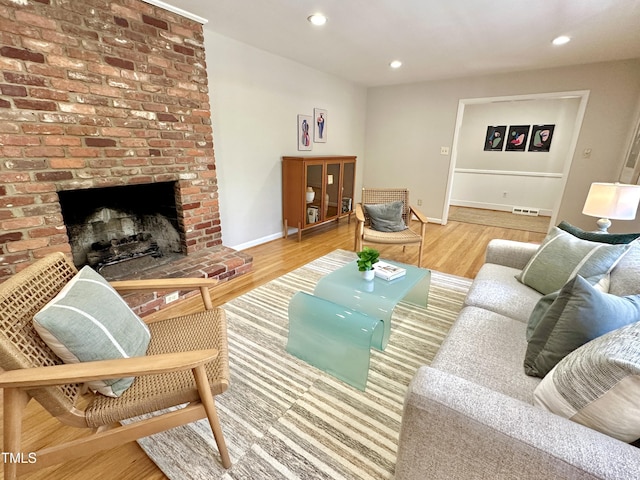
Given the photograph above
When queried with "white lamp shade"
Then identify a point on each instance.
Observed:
(615, 201)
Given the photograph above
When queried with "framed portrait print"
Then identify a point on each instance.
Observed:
(541, 136)
(304, 126)
(517, 138)
(494, 139)
(319, 125)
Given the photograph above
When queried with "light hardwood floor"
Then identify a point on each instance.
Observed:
(457, 248)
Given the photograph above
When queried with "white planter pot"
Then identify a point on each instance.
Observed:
(368, 275)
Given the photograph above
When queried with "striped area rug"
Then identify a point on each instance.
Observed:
(284, 419)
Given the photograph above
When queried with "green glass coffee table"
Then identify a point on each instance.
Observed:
(335, 328)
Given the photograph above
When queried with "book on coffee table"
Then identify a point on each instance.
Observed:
(387, 271)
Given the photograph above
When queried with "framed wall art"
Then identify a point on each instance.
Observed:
(541, 136)
(304, 126)
(517, 138)
(494, 140)
(319, 125)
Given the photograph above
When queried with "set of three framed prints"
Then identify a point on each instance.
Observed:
(515, 139)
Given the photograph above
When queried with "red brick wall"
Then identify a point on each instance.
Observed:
(99, 93)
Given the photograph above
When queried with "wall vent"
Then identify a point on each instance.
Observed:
(532, 212)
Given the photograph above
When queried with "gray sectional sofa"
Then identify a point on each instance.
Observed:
(471, 414)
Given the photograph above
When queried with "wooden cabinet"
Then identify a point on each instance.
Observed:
(316, 190)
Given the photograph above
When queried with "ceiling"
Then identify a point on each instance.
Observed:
(435, 39)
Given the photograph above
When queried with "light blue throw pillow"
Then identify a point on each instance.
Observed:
(88, 320)
(579, 314)
(600, 282)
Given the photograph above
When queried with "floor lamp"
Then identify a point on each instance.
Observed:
(611, 201)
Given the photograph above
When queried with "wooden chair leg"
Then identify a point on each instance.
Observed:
(209, 405)
(359, 233)
(15, 400)
(206, 298)
(423, 231)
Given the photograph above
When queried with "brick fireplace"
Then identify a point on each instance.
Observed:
(105, 94)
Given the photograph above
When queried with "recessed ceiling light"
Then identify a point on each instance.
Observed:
(317, 19)
(395, 64)
(561, 40)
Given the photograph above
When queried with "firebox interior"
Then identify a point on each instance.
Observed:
(121, 230)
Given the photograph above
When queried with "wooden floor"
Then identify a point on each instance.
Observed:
(457, 248)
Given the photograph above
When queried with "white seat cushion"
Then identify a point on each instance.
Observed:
(487, 348)
(496, 288)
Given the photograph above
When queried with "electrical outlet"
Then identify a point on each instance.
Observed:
(172, 297)
(444, 150)
(419, 202)
(504, 194)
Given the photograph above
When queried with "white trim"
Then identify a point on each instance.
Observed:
(260, 241)
(525, 97)
(510, 173)
(179, 11)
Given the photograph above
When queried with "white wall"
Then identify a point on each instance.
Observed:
(255, 99)
(504, 179)
(407, 125)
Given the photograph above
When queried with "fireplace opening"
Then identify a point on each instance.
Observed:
(121, 231)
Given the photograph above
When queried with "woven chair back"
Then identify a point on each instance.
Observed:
(21, 297)
(372, 196)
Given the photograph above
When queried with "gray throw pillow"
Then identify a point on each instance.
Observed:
(562, 256)
(579, 314)
(386, 217)
(598, 385)
(611, 238)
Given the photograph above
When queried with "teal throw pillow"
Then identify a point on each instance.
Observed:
(611, 238)
(561, 256)
(88, 320)
(386, 217)
(579, 314)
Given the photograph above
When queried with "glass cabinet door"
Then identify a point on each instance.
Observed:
(348, 182)
(333, 183)
(313, 194)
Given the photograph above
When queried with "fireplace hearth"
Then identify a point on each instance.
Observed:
(121, 231)
(136, 232)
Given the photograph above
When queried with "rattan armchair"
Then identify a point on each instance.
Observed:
(366, 235)
(186, 364)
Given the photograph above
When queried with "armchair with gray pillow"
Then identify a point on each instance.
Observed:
(384, 218)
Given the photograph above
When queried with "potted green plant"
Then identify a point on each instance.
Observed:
(366, 258)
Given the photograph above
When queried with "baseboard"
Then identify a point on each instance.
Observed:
(260, 241)
(292, 231)
(543, 212)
